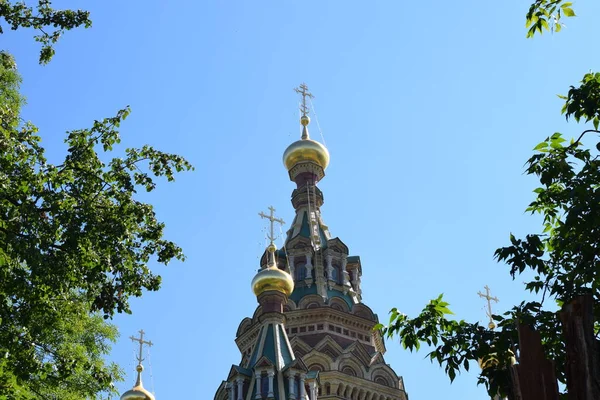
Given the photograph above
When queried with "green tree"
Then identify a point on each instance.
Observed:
(563, 256)
(75, 242)
(72, 349)
(49, 23)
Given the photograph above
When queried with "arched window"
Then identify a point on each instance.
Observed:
(348, 371)
(300, 270)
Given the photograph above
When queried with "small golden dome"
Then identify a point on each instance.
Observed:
(306, 150)
(492, 360)
(272, 278)
(138, 392)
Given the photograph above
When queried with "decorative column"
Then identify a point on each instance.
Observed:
(230, 387)
(240, 388)
(329, 267)
(257, 380)
(301, 387)
(291, 376)
(309, 266)
(312, 385)
(345, 275)
(346, 281)
(355, 278)
(271, 374)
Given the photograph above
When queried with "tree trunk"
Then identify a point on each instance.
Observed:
(534, 377)
(583, 361)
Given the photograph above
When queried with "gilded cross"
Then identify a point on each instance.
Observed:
(489, 299)
(142, 342)
(303, 90)
(272, 220)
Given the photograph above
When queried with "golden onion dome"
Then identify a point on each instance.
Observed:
(305, 150)
(272, 278)
(138, 392)
(492, 360)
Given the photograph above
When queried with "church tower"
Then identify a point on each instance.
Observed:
(311, 337)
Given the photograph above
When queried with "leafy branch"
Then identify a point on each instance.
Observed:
(545, 15)
(49, 22)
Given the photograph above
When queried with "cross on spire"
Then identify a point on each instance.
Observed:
(272, 220)
(303, 91)
(489, 300)
(142, 342)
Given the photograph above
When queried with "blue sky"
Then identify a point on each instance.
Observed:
(429, 110)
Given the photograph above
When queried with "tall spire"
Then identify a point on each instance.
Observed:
(305, 119)
(138, 392)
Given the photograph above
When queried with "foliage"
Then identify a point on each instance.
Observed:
(564, 257)
(72, 349)
(546, 15)
(73, 240)
(49, 22)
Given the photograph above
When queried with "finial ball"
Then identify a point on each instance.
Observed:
(139, 368)
(305, 120)
(272, 248)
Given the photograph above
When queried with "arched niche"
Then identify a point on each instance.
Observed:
(384, 375)
(291, 305)
(316, 367)
(349, 364)
(309, 299)
(363, 311)
(338, 304)
(317, 358)
(256, 314)
(348, 370)
(244, 326)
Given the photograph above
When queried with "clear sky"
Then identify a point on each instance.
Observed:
(429, 110)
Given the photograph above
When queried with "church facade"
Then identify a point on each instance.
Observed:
(311, 336)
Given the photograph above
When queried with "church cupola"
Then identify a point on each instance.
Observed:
(305, 159)
(271, 285)
(138, 392)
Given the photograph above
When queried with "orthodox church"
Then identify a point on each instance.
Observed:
(311, 336)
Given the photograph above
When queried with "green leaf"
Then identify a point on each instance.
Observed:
(540, 146)
(557, 27)
(568, 12)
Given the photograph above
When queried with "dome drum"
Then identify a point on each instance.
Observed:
(306, 171)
